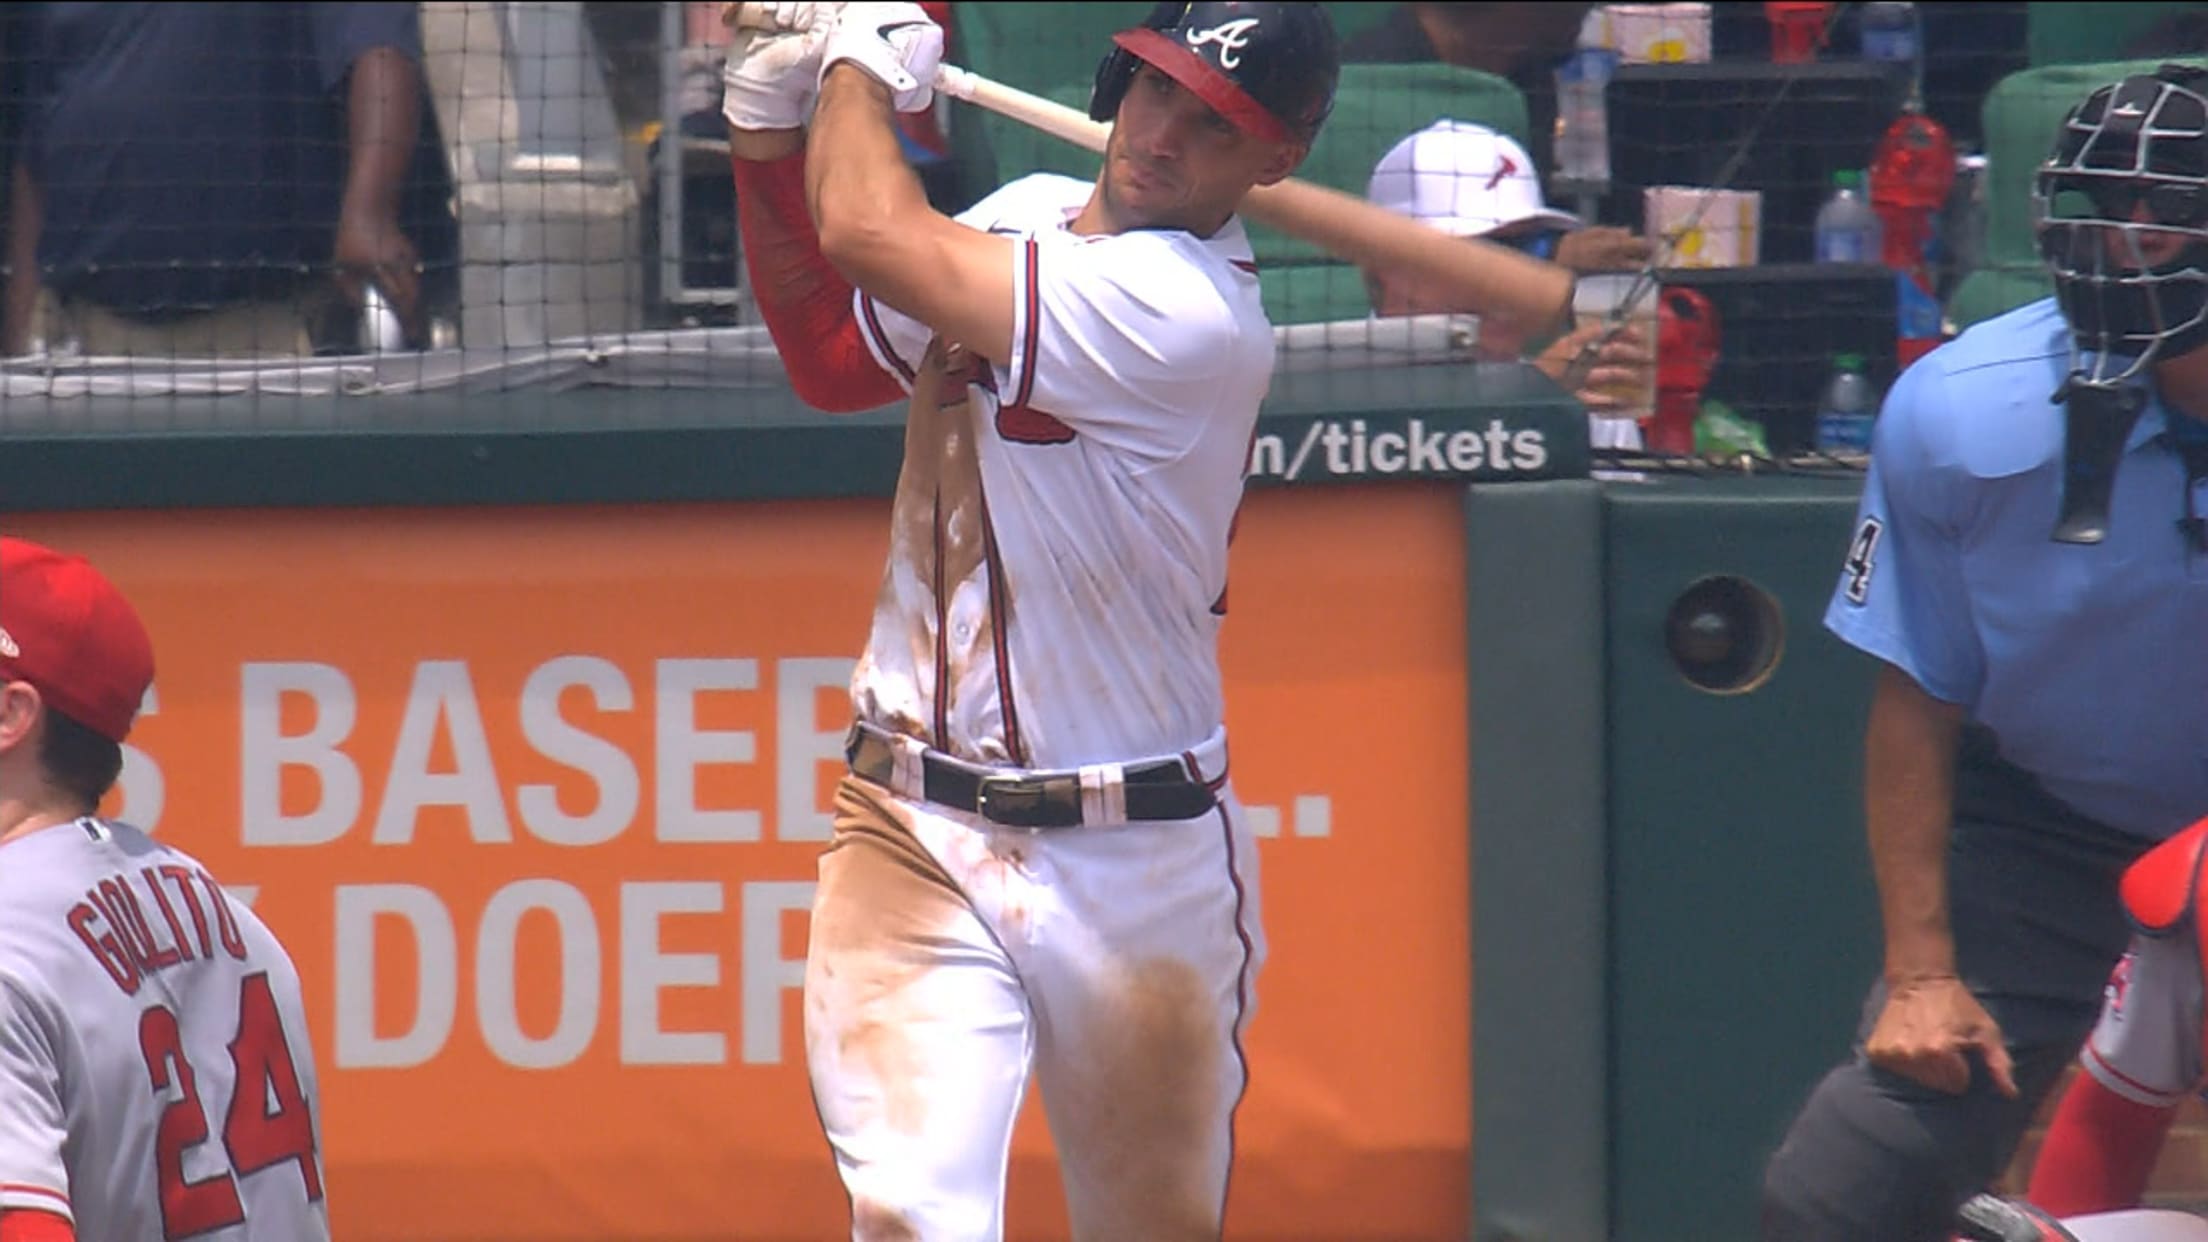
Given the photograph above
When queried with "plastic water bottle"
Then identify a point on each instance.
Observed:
(1848, 230)
(1582, 116)
(1889, 32)
(1849, 407)
(1888, 29)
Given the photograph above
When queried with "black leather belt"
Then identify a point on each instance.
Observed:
(1162, 790)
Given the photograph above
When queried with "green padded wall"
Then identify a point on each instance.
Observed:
(1743, 926)
(1540, 1087)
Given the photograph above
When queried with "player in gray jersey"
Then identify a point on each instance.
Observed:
(156, 1082)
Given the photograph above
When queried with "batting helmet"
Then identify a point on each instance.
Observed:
(1269, 68)
(2141, 142)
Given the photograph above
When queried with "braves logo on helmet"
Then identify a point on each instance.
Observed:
(1231, 37)
(1268, 68)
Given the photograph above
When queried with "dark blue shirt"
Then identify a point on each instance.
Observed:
(193, 155)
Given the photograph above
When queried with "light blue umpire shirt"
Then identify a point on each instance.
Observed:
(2088, 661)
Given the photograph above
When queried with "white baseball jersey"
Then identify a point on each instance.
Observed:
(1058, 563)
(155, 1077)
(2147, 1045)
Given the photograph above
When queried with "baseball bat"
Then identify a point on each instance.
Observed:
(1491, 279)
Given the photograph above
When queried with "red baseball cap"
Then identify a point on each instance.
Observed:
(65, 629)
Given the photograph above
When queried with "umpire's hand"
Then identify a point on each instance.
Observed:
(1926, 1031)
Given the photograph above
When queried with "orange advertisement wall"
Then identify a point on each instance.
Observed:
(534, 797)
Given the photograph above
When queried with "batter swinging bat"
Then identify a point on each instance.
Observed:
(1491, 279)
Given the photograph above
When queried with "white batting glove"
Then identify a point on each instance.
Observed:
(772, 77)
(897, 46)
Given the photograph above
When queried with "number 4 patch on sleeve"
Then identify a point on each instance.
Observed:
(1862, 559)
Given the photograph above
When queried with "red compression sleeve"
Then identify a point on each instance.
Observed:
(2099, 1151)
(806, 304)
(21, 1225)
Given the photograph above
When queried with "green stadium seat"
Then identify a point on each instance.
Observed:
(1376, 107)
(2021, 115)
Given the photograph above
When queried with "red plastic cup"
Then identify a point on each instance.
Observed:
(1797, 29)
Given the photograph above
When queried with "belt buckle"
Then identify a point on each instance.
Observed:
(1024, 802)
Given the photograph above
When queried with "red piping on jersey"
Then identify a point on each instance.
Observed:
(25, 1188)
(1196, 772)
(1000, 625)
(942, 638)
(33, 1224)
(2093, 1054)
(1241, 987)
(1247, 265)
(873, 324)
(1031, 293)
(806, 304)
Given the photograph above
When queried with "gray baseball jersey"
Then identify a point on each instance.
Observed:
(155, 1077)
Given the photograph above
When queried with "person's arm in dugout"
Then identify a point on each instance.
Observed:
(1930, 1020)
(34, 73)
(383, 123)
(25, 217)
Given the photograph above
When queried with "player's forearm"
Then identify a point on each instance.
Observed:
(805, 303)
(857, 182)
(26, 217)
(383, 121)
(1909, 796)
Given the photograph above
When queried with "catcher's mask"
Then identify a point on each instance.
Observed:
(2120, 210)
(2129, 176)
(1269, 68)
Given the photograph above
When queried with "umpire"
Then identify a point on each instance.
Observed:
(2032, 573)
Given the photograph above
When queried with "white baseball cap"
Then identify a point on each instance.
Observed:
(1464, 179)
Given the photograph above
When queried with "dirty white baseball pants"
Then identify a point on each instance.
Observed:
(948, 956)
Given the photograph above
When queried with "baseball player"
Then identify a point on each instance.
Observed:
(1468, 180)
(2145, 1056)
(1038, 863)
(155, 1078)
(2026, 570)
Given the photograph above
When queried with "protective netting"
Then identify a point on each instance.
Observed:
(209, 203)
